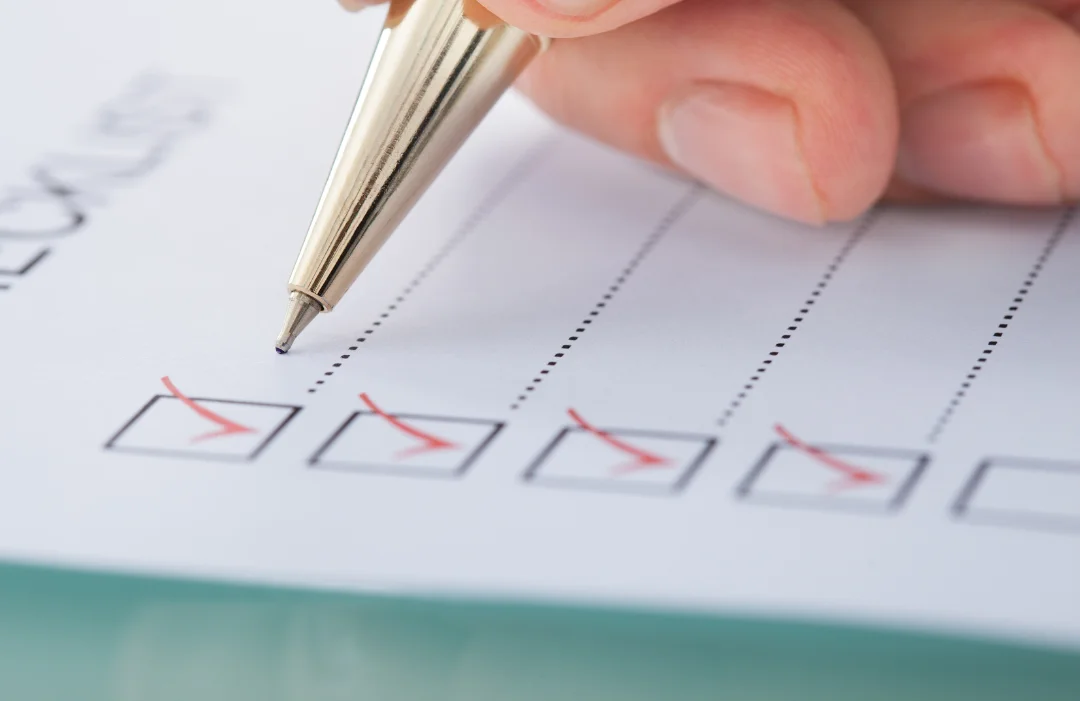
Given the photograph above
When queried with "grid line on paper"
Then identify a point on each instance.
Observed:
(998, 335)
(804, 310)
(676, 212)
(495, 197)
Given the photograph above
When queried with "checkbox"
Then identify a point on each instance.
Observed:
(406, 444)
(1017, 493)
(619, 460)
(792, 473)
(20, 257)
(175, 425)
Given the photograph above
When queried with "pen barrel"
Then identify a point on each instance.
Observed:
(437, 70)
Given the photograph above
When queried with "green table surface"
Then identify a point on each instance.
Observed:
(80, 636)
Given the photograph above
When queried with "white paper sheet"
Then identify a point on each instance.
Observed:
(568, 377)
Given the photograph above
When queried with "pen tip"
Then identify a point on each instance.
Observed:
(302, 309)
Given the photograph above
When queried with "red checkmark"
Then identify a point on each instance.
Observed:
(853, 476)
(226, 427)
(642, 459)
(428, 442)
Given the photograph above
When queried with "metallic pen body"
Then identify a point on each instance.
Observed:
(437, 70)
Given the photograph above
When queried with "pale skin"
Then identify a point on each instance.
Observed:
(815, 110)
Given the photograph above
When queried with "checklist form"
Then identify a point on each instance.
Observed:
(569, 376)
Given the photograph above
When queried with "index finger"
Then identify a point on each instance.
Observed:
(558, 18)
(573, 18)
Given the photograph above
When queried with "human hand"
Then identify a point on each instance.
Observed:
(816, 109)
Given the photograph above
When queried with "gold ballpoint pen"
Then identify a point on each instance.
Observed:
(438, 68)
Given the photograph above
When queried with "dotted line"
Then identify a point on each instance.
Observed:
(662, 228)
(804, 311)
(487, 205)
(1006, 321)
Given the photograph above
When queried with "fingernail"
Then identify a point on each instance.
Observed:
(979, 142)
(744, 142)
(573, 9)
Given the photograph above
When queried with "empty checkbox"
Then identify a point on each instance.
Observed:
(1016, 493)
